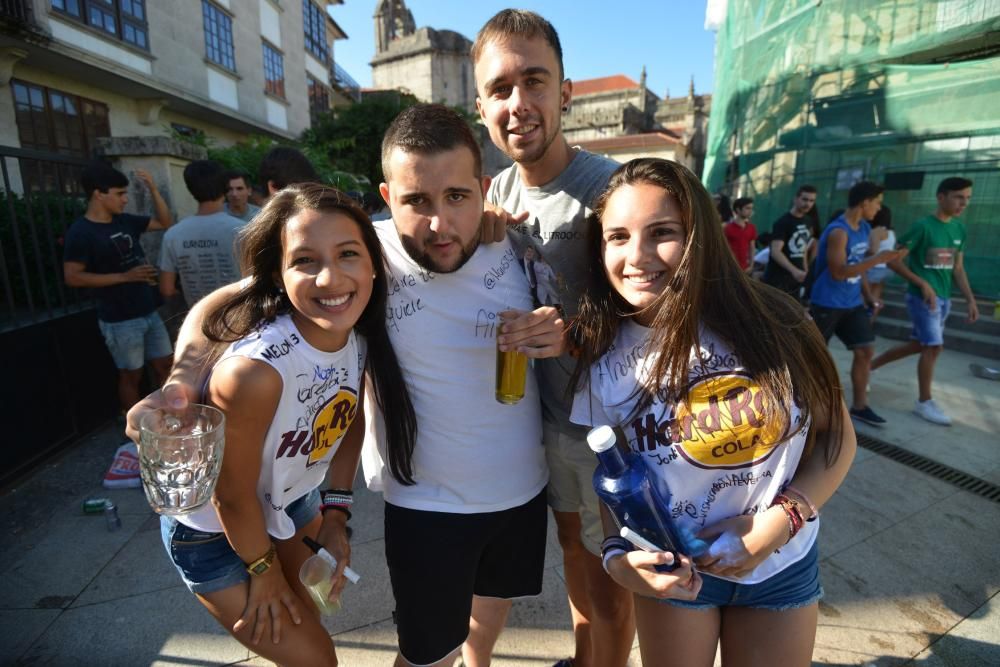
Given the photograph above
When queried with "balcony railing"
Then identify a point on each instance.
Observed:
(17, 11)
(345, 82)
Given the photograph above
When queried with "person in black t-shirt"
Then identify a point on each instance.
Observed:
(102, 253)
(790, 238)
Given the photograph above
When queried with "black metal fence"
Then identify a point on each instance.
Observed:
(58, 379)
(40, 197)
(16, 13)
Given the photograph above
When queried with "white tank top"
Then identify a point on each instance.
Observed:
(319, 400)
(888, 243)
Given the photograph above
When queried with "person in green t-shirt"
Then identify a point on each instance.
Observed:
(935, 258)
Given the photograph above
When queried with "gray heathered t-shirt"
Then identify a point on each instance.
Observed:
(202, 251)
(556, 229)
(248, 214)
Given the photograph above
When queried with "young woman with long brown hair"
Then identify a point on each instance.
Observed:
(730, 397)
(305, 332)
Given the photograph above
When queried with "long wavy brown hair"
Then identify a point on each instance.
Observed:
(261, 300)
(779, 347)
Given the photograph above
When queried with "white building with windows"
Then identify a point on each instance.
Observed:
(72, 71)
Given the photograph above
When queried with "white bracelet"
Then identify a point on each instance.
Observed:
(609, 554)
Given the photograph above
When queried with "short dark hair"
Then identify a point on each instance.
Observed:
(509, 23)
(741, 202)
(284, 166)
(205, 180)
(233, 174)
(101, 176)
(806, 188)
(953, 183)
(863, 191)
(428, 129)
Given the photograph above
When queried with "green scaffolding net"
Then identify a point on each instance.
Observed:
(828, 92)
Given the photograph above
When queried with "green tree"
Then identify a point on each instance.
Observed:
(351, 136)
(246, 156)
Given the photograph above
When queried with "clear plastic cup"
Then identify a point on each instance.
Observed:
(315, 574)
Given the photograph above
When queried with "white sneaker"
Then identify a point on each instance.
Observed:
(930, 411)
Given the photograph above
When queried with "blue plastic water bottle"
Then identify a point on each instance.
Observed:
(622, 482)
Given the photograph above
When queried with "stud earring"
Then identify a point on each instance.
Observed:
(565, 108)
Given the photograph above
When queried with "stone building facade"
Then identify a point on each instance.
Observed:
(78, 70)
(621, 118)
(433, 65)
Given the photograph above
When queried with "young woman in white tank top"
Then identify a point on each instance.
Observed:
(882, 237)
(728, 395)
(305, 331)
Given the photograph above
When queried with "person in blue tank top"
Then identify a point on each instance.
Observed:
(840, 295)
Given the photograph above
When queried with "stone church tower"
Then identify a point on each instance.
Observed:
(433, 65)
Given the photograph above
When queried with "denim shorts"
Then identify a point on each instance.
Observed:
(796, 586)
(878, 274)
(928, 325)
(206, 561)
(133, 342)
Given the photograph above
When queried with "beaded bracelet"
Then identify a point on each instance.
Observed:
(340, 500)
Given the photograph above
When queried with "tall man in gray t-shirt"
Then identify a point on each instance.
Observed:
(521, 94)
(201, 249)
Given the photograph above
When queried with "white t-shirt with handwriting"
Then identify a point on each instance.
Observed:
(473, 454)
(715, 459)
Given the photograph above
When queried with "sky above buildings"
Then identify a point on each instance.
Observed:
(599, 38)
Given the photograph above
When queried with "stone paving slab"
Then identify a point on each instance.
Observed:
(846, 523)
(971, 643)
(20, 628)
(141, 566)
(164, 628)
(73, 550)
(953, 545)
(892, 490)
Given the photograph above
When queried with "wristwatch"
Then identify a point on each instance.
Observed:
(262, 564)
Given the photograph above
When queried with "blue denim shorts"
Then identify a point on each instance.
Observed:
(133, 342)
(878, 274)
(928, 325)
(796, 586)
(206, 561)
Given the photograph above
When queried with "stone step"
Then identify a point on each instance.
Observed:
(960, 340)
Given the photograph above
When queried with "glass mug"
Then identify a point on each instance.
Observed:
(180, 456)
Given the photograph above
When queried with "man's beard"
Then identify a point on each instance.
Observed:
(424, 259)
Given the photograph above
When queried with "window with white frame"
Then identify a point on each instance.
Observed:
(314, 24)
(274, 71)
(124, 20)
(218, 35)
